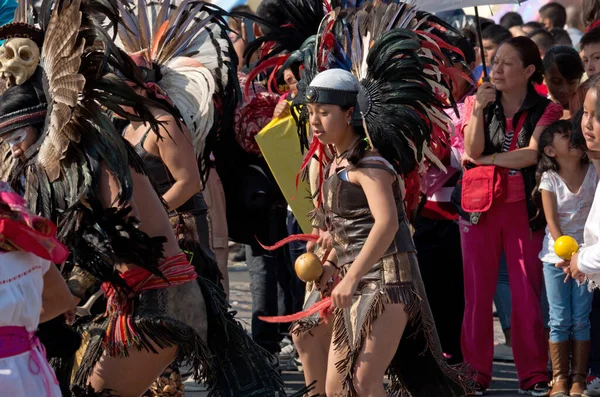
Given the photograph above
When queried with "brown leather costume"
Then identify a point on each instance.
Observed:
(418, 368)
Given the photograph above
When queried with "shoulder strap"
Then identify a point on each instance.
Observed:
(386, 166)
(143, 140)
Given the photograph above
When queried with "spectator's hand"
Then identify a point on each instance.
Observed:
(571, 269)
(486, 94)
(574, 267)
(325, 241)
(466, 159)
(281, 110)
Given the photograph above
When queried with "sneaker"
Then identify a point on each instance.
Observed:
(540, 389)
(478, 390)
(593, 388)
(287, 354)
(503, 352)
(288, 350)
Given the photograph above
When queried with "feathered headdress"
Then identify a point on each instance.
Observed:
(70, 71)
(185, 50)
(404, 69)
(286, 25)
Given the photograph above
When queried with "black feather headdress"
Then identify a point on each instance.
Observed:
(80, 76)
(402, 60)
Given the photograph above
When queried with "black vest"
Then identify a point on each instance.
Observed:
(494, 123)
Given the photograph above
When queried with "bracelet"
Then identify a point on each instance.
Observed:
(332, 263)
(493, 158)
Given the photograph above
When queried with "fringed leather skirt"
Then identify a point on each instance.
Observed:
(418, 368)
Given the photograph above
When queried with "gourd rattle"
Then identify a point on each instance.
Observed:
(309, 267)
(565, 247)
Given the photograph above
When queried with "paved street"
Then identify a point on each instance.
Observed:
(505, 377)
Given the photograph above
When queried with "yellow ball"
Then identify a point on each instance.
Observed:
(565, 247)
(308, 267)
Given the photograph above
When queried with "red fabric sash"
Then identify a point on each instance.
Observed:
(121, 332)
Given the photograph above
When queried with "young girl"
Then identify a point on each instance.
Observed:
(567, 183)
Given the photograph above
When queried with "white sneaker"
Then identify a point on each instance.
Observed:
(593, 389)
(503, 352)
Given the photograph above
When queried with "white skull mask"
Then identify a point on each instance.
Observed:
(19, 59)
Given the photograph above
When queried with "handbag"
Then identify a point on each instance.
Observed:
(479, 186)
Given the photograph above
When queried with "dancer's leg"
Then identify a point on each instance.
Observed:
(131, 376)
(334, 382)
(313, 348)
(379, 350)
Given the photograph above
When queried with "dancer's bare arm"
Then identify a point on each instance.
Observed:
(177, 152)
(56, 297)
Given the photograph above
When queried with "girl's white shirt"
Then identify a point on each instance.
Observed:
(572, 207)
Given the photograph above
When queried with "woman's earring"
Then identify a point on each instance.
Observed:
(348, 121)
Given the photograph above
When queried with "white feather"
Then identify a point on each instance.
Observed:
(191, 88)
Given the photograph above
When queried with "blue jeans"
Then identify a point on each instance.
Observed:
(296, 248)
(570, 306)
(503, 300)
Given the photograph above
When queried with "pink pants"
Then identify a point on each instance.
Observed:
(504, 227)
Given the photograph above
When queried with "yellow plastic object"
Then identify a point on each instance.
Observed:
(565, 247)
(280, 147)
(308, 267)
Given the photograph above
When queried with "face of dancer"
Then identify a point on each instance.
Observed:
(508, 71)
(590, 123)
(20, 140)
(330, 124)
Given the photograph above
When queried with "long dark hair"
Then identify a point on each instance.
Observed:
(567, 61)
(546, 163)
(360, 147)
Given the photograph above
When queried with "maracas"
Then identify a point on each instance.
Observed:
(565, 247)
(309, 267)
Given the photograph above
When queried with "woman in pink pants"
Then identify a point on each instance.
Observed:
(506, 121)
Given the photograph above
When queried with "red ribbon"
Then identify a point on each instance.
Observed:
(324, 308)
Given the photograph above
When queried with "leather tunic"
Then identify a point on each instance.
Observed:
(346, 215)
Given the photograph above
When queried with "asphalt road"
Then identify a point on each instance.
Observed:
(505, 376)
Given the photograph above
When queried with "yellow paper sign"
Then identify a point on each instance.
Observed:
(280, 147)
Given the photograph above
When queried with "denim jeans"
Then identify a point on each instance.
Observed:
(296, 248)
(570, 306)
(271, 275)
(503, 300)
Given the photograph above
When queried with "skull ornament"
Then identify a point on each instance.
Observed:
(19, 58)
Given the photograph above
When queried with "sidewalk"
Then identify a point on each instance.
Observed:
(505, 376)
